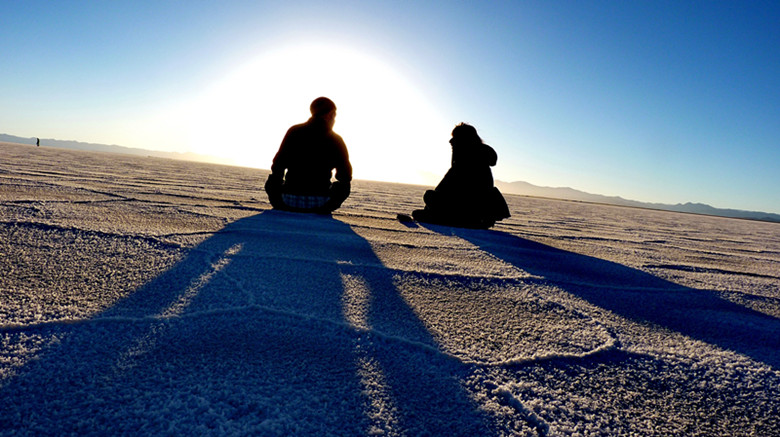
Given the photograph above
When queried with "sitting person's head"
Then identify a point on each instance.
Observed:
(324, 108)
(465, 134)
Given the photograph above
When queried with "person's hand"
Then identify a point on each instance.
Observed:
(273, 183)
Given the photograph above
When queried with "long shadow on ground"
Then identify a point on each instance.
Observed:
(637, 295)
(279, 324)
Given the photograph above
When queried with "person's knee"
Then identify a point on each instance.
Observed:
(340, 190)
(430, 197)
(273, 188)
(338, 193)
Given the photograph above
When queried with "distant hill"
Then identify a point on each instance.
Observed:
(526, 189)
(92, 147)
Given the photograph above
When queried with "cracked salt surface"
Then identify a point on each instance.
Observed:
(146, 296)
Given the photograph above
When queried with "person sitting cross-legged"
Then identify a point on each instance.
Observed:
(302, 170)
(466, 196)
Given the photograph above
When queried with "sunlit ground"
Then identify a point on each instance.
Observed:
(155, 296)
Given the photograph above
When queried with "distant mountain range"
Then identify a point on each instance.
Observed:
(519, 187)
(526, 189)
(92, 147)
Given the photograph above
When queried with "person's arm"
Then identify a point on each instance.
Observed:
(281, 160)
(343, 166)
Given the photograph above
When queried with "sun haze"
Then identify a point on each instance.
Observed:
(383, 119)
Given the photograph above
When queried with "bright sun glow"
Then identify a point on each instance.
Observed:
(391, 131)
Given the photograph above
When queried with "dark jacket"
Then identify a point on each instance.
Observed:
(308, 154)
(466, 195)
(470, 172)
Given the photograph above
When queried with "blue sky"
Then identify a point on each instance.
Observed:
(653, 101)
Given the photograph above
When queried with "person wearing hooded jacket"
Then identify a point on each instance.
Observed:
(302, 169)
(466, 196)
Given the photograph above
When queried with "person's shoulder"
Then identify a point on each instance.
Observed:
(297, 127)
(490, 155)
(295, 131)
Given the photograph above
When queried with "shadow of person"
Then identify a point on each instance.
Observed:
(278, 324)
(638, 296)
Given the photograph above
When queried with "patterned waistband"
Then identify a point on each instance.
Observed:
(304, 202)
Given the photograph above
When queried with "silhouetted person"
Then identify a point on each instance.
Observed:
(302, 169)
(37, 142)
(466, 196)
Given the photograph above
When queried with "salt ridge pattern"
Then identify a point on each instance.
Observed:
(147, 296)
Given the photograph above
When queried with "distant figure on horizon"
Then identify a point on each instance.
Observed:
(466, 197)
(302, 169)
(37, 142)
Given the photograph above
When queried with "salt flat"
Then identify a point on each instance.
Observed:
(146, 296)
